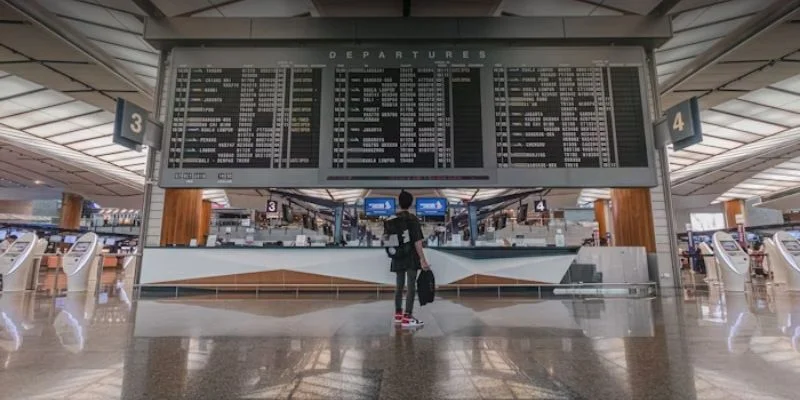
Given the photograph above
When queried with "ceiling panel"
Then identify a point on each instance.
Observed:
(726, 133)
(34, 42)
(680, 53)
(703, 33)
(261, 8)
(553, 8)
(766, 76)
(791, 84)
(770, 45)
(105, 102)
(83, 134)
(172, 8)
(142, 57)
(44, 76)
(710, 99)
(715, 76)
(94, 143)
(95, 75)
(715, 13)
(105, 150)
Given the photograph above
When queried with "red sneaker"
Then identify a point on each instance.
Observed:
(398, 318)
(411, 322)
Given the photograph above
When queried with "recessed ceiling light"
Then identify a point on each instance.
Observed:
(38, 182)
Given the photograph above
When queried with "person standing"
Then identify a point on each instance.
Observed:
(408, 266)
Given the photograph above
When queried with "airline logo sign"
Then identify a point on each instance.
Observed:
(379, 207)
(431, 206)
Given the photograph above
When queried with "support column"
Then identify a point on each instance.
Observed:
(71, 207)
(732, 208)
(186, 217)
(601, 216)
(633, 218)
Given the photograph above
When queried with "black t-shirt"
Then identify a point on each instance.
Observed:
(415, 233)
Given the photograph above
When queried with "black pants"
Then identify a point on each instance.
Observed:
(409, 276)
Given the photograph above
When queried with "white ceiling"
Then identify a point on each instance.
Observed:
(57, 94)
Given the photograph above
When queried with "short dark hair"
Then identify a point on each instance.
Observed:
(12, 237)
(406, 200)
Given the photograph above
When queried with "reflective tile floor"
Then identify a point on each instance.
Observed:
(683, 346)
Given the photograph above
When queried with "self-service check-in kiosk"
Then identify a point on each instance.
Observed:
(17, 263)
(733, 262)
(783, 254)
(712, 269)
(79, 260)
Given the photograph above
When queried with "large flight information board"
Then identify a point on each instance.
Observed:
(407, 118)
(441, 117)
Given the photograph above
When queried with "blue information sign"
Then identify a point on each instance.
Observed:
(379, 206)
(431, 207)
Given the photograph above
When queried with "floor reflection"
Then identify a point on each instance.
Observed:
(698, 345)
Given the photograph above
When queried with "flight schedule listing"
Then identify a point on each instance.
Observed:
(569, 117)
(407, 117)
(246, 118)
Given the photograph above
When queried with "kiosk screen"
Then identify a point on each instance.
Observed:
(17, 247)
(791, 245)
(729, 245)
(80, 248)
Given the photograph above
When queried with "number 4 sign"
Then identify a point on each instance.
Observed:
(683, 123)
(540, 205)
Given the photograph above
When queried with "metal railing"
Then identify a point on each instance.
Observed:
(649, 288)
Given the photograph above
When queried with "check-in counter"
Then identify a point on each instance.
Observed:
(354, 266)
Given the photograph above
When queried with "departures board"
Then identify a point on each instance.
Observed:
(407, 117)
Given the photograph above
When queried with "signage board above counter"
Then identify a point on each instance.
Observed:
(408, 117)
(380, 206)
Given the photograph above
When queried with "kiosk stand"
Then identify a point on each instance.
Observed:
(712, 269)
(784, 259)
(17, 264)
(734, 263)
(79, 260)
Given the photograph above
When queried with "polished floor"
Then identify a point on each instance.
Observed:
(702, 345)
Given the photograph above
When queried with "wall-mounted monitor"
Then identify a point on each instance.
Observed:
(70, 239)
(110, 241)
(431, 207)
(56, 239)
(379, 206)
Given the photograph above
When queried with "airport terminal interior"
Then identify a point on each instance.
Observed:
(232, 199)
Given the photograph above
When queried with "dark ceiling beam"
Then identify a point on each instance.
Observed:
(663, 7)
(775, 14)
(149, 8)
(406, 8)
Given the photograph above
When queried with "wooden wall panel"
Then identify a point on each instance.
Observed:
(205, 221)
(71, 207)
(731, 208)
(632, 213)
(600, 208)
(183, 214)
